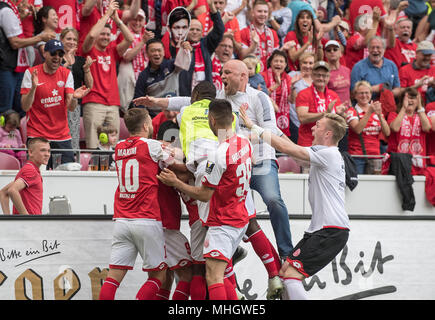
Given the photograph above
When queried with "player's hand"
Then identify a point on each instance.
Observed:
(244, 116)
(146, 101)
(168, 177)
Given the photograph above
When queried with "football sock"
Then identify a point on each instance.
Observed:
(266, 252)
(182, 291)
(149, 289)
(217, 291)
(198, 288)
(108, 289)
(295, 289)
(163, 294)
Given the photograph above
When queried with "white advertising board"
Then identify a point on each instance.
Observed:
(60, 259)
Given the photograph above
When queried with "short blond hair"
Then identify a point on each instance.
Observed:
(362, 83)
(338, 126)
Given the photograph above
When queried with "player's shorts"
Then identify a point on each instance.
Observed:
(133, 236)
(197, 237)
(221, 242)
(203, 207)
(317, 249)
(250, 205)
(177, 249)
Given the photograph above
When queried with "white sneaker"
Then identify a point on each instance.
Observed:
(275, 288)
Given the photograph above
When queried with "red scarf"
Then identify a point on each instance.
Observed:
(283, 114)
(23, 60)
(264, 49)
(216, 72)
(140, 61)
(410, 139)
(199, 69)
(322, 104)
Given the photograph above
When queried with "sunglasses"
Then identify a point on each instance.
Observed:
(58, 53)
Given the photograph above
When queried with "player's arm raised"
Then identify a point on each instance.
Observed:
(201, 193)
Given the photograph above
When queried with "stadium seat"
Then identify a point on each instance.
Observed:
(123, 132)
(23, 129)
(84, 160)
(288, 164)
(8, 162)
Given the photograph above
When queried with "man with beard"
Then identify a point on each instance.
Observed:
(400, 49)
(419, 74)
(47, 94)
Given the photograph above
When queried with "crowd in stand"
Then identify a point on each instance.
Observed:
(379, 71)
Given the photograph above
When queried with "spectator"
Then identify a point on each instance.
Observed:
(26, 190)
(366, 122)
(280, 18)
(430, 145)
(342, 33)
(46, 105)
(267, 37)
(46, 21)
(419, 74)
(256, 79)
(375, 69)
(239, 9)
(313, 102)
(304, 38)
(400, 48)
(14, 59)
(161, 77)
(102, 103)
(358, 7)
(339, 80)
(409, 128)
(91, 11)
(178, 24)
(28, 12)
(302, 80)
(223, 53)
(107, 140)
(416, 11)
(296, 6)
(356, 47)
(80, 68)
(134, 60)
(67, 12)
(279, 85)
(10, 136)
(203, 47)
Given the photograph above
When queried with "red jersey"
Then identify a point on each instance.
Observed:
(48, 115)
(370, 134)
(229, 173)
(231, 26)
(316, 102)
(192, 208)
(137, 165)
(157, 122)
(32, 193)
(430, 145)
(291, 37)
(355, 50)
(105, 89)
(67, 11)
(170, 207)
(408, 76)
(402, 53)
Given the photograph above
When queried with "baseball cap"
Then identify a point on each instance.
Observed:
(321, 64)
(141, 13)
(332, 43)
(344, 25)
(53, 46)
(426, 47)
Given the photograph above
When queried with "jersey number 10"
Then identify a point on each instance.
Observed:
(129, 181)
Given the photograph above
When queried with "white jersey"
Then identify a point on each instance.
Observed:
(327, 183)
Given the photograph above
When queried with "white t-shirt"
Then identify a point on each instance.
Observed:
(326, 193)
(10, 23)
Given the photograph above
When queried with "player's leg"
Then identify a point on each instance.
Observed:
(230, 282)
(111, 283)
(165, 289)
(293, 285)
(215, 270)
(182, 291)
(151, 287)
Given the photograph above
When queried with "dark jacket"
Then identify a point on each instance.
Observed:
(351, 172)
(400, 167)
(209, 44)
(8, 55)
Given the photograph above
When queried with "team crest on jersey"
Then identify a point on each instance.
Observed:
(209, 167)
(60, 84)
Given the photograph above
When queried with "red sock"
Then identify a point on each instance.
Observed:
(276, 258)
(198, 288)
(163, 294)
(149, 289)
(182, 291)
(230, 289)
(108, 289)
(217, 291)
(264, 249)
(229, 273)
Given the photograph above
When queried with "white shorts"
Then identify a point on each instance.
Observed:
(203, 207)
(250, 205)
(133, 236)
(197, 237)
(221, 242)
(177, 249)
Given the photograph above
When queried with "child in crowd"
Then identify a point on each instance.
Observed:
(10, 136)
(256, 80)
(107, 140)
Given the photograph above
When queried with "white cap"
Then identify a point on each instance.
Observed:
(332, 43)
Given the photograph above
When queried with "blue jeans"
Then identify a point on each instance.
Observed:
(360, 164)
(265, 181)
(10, 86)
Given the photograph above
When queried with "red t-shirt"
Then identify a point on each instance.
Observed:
(408, 77)
(402, 53)
(371, 133)
(339, 82)
(33, 192)
(67, 11)
(229, 173)
(355, 50)
(358, 7)
(306, 98)
(430, 145)
(137, 165)
(27, 23)
(230, 26)
(170, 207)
(291, 37)
(48, 115)
(105, 89)
(157, 122)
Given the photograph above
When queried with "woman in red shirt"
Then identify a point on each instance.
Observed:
(409, 126)
(366, 122)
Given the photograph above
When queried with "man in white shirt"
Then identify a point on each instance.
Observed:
(329, 228)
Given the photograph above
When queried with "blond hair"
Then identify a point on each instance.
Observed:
(338, 126)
